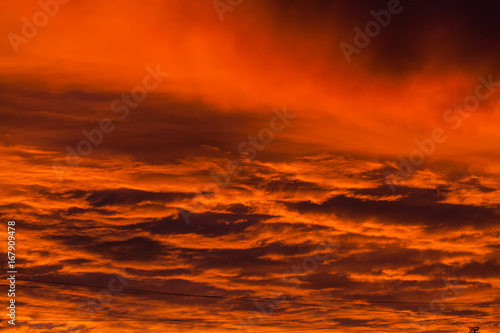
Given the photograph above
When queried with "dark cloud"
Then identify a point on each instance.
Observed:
(42, 270)
(65, 114)
(432, 215)
(239, 209)
(350, 322)
(79, 261)
(434, 269)
(410, 194)
(328, 281)
(253, 261)
(130, 249)
(140, 249)
(280, 227)
(446, 35)
(393, 258)
(159, 273)
(207, 224)
(125, 196)
(476, 269)
(432, 26)
(285, 184)
(78, 211)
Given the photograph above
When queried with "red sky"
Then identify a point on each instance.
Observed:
(328, 184)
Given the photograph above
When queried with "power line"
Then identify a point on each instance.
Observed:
(195, 323)
(247, 299)
(187, 321)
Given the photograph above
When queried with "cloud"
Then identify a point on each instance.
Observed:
(208, 224)
(322, 178)
(432, 216)
(125, 196)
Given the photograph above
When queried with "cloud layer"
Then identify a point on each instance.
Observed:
(150, 230)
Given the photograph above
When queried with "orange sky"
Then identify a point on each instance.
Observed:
(328, 184)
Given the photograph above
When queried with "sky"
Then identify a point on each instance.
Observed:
(251, 165)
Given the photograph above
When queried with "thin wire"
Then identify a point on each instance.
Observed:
(247, 299)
